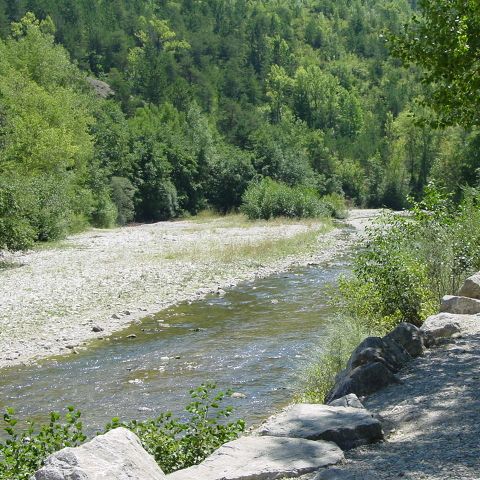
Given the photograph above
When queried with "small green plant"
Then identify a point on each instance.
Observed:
(23, 452)
(179, 443)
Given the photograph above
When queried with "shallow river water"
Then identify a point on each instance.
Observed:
(255, 340)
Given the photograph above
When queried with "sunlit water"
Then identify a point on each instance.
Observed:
(255, 340)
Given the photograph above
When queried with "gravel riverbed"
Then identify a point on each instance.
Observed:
(54, 300)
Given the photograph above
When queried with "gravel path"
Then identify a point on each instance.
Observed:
(431, 421)
(108, 279)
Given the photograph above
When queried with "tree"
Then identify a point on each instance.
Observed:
(445, 42)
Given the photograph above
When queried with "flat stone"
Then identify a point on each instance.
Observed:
(460, 305)
(263, 458)
(443, 325)
(346, 426)
(471, 287)
(117, 455)
(350, 400)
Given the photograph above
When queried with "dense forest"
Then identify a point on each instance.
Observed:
(202, 99)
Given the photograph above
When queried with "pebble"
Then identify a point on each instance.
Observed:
(132, 335)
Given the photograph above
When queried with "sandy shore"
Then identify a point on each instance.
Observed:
(52, 299)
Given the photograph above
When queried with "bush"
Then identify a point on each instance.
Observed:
(407, 263)
(22, 454)
(269, 199)
(175, 443)
(122, 196)
(15, 231)
(336, 205)
(178, 444)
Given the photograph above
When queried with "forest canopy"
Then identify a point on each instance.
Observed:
(209, 98)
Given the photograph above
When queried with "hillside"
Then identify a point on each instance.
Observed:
(210, 97)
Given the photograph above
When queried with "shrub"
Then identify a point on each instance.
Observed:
(336, 205)
(269, 199)
(406, 264)
(178, 444)
(175, 443)
(22, 454)
(122, 196)
(15, 231)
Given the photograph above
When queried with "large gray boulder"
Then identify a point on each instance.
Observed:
(381, 350)
(346, 426)
(263, 458)
(471, 287)
(407, 336)
(117, 455)
(443, 325)
(362, 380)
(460, 305)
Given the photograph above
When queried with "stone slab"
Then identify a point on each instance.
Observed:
(346, 426)
(460, 305)
(117, 455)
(443, 325)
(263, 458)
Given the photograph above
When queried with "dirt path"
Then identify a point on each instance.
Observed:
(51, 301)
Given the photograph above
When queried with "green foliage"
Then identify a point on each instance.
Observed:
(174, 442)
(269, 199)
(123, 193)
(231, 172)
(15, 231)
(444, 42)
(180, 443)
(406, 265)
(24, 450)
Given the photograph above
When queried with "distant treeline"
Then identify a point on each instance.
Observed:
(209, 97)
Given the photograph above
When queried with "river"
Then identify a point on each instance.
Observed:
(255, 340)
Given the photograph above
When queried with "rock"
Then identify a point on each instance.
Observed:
(132, 335)
(383, 350)
(97, 329)
(409, 337)
(460, 305)
(350, 400)
(362, 380)
(471, 287)
(102, 89)
(117, 455)
(238, 395)
(443, 325)
(263, 458)
(346, 426)
(116, 316)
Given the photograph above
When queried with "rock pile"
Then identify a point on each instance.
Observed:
(375, 361)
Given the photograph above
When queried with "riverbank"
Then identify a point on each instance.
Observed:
(54, 298)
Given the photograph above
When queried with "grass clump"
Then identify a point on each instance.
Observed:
(405, 266)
